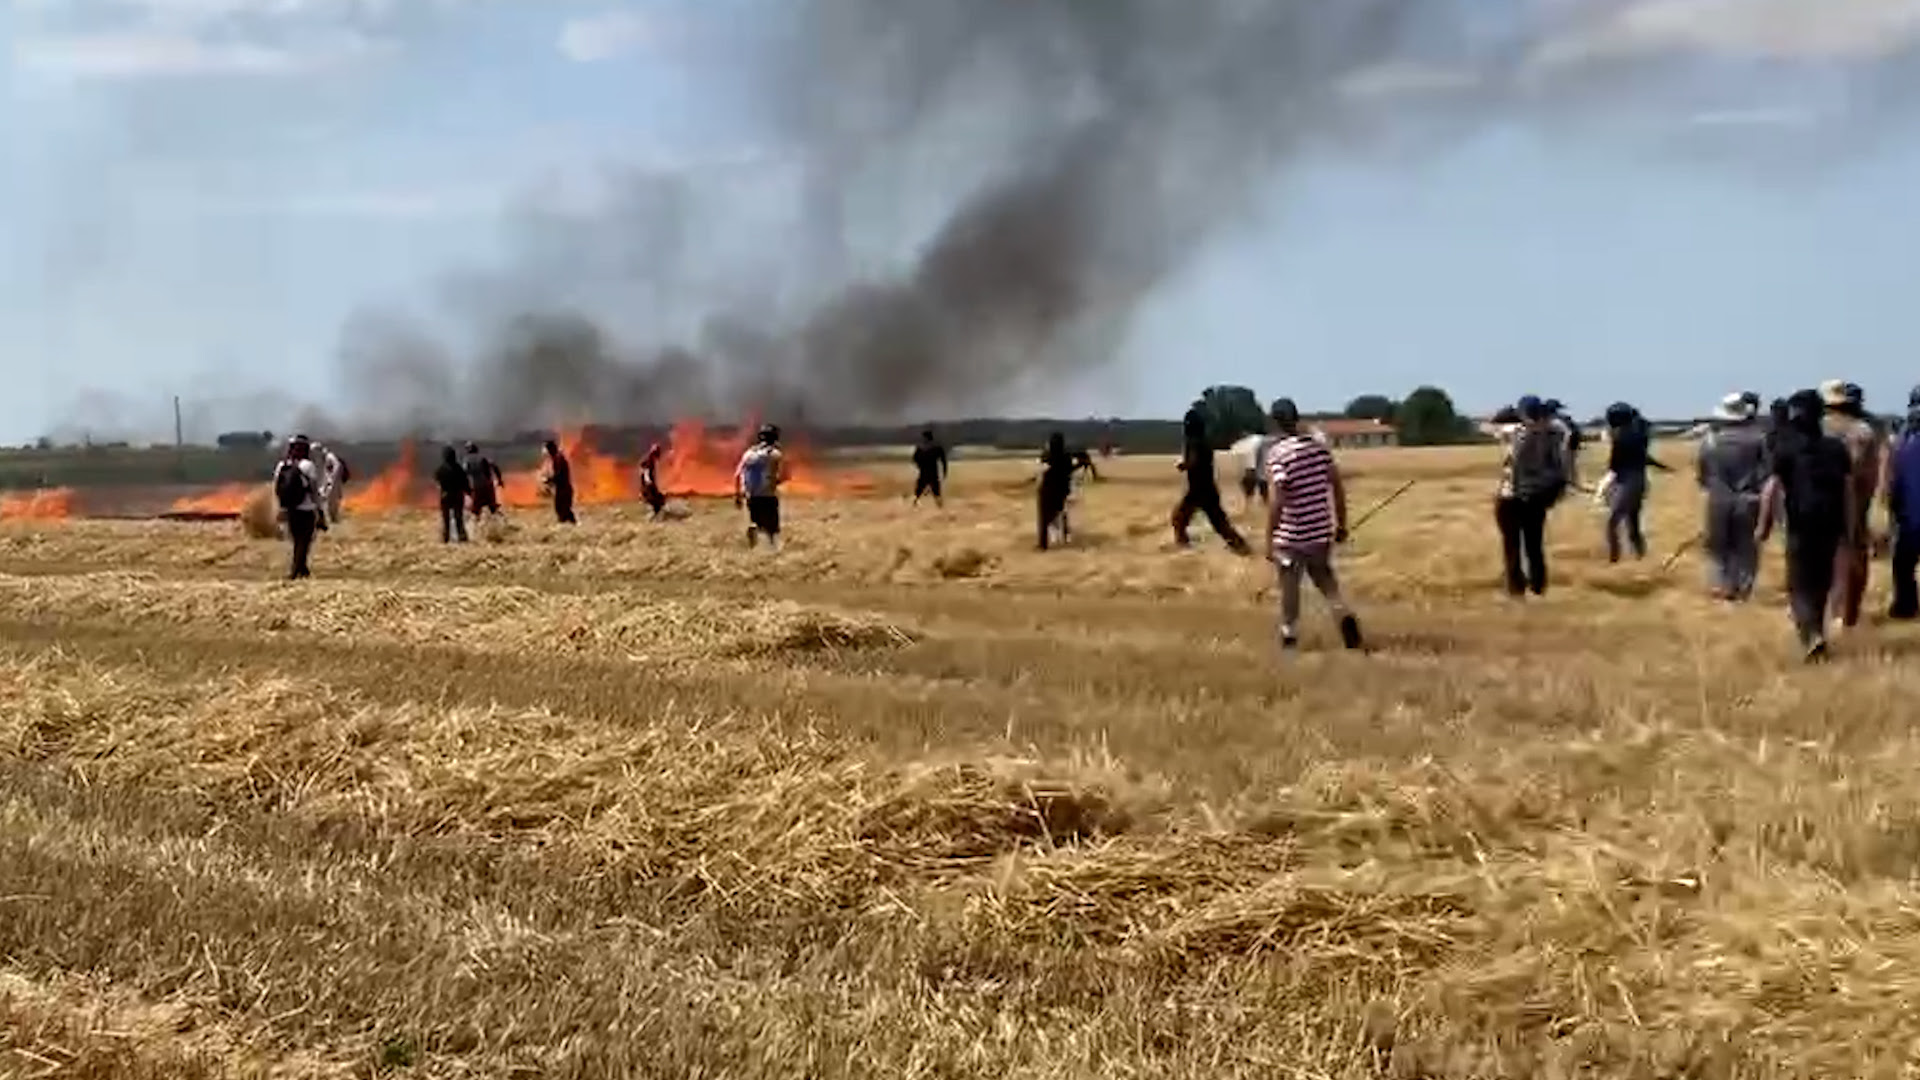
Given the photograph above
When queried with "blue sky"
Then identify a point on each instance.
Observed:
(198, 193)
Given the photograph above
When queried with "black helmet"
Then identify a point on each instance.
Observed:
(1619, 414)
(769, 433)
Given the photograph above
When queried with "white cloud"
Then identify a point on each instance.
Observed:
(1404, 79)
(1818, 30)
(156, 54)
(608, 35)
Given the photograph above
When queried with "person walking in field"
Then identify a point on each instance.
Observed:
(455, 489)
(1251, 452)
(1629, 456)
(757, 485)
(1813, 482)
(296, 487)
(484, 482)
(1732, 469)
(1533, 475)
(650, 492)
(333, 482)
(1846, 419)
(1903, 512)
(560, 484)
(1203, 487)
(930, 468)
(1306, 518)
(1057, 468)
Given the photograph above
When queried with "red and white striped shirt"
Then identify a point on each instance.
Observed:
(1301, 470)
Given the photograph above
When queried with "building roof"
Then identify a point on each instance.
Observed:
(1343, 427)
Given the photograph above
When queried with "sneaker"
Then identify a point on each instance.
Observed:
(1817, 651)
(1350, 632)
(1289, 643)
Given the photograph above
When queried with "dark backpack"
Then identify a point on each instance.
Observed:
(290, 486)
(1537, 466)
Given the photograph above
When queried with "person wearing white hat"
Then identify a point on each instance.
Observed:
(1732, 469)
(1846, 419)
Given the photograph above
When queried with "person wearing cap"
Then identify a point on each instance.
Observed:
(296, 483)
(1203, 487)
(559, 483)
(757, 484)
(1306, 518)
(1846, 419)
(483, 482)
(1903, 512)
(1629, 456)
(1732, 469)
(650, 491)
(1812, 480)
(1533, 475)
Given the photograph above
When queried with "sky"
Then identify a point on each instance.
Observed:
(199, 194)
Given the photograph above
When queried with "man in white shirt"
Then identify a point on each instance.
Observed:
(1251, 451)
(757, 484)
(296, 487)
(333, 482)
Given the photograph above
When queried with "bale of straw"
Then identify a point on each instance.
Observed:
(260, 516)
(966, 562)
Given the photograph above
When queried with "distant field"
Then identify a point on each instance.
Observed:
(911, 799)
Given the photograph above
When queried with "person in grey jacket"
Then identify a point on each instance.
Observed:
(1735, 461)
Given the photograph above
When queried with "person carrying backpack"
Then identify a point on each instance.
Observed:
(1735, 460)
(296, 488)
(1813, 480)
(1533, 476)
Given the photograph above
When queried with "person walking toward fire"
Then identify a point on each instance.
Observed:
(757, 486)
(559, 484)
(296, 487)
(1057, 468)
(1203, 487)
(455, 488)
(1306, 518)
(483, 482)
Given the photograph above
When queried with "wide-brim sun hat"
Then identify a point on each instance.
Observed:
(1833, 393)
(1734, 407)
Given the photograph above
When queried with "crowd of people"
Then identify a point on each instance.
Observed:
(1812, 467)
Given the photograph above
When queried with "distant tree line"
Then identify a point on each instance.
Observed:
(1425, 417)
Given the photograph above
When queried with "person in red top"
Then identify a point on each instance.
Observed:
(1306, 518)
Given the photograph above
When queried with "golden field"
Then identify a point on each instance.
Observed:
(911, 799)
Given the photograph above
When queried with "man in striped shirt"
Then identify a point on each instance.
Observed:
(1306, 517)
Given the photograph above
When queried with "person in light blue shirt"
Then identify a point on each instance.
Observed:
(757, 485)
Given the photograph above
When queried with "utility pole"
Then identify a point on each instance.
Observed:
(179, 443)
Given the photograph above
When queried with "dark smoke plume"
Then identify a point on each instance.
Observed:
(1084, 150)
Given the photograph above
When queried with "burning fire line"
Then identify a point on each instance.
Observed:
(693, 463)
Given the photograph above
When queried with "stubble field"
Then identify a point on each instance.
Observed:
(911, 799)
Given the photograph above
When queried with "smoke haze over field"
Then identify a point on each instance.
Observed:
(960, 203)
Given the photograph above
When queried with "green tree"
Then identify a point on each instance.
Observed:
(1231, 412)
(1427, 418)
(1370, 407)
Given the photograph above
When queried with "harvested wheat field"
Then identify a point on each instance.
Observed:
(911, 799)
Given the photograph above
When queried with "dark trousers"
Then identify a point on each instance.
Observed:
(485, 503)
(453, 520)
(1523, 543)
(655, 499)
(1906, 559)
(563, 505)
(1624, 506)
(301, 525)
(1811, 560)
(1204, 499)
(926, 484)
(1053, 503)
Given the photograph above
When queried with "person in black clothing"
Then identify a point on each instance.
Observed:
(560, 484)
(930, 468)
(1203, 488)
(483, 482)
(1057, 467)
(1812, 478)
(296, 482)
(455, 487)
(650, 492)
(1629, 456)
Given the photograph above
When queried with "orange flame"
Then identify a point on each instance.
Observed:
(46, 504)
(693, 462)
